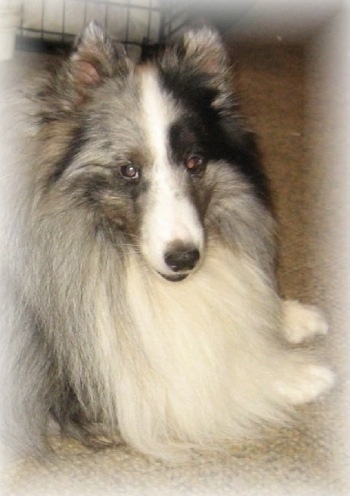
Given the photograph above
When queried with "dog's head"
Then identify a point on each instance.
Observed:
(147, 148)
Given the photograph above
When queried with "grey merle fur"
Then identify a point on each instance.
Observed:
(84, 218)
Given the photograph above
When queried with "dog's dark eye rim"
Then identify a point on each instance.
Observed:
(130, 172)
(195, 162)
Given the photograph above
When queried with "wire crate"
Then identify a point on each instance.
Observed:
(50, 25)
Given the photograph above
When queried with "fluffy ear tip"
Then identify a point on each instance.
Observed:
(92, 31)
(93, 27)
(203, 34)
(95, 35)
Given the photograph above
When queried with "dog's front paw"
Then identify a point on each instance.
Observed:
(307, 384)
(302, 322)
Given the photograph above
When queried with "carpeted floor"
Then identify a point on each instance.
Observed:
(309, 458)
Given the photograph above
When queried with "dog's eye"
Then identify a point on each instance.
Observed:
(130, 171)
(194, 163)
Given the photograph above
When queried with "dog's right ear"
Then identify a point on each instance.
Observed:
(95, 58)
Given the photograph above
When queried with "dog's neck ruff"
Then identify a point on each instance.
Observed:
(190, 352)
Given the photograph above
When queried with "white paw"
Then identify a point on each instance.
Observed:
(302, 322)
(308, 383)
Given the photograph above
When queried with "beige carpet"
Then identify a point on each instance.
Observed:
(310, 458)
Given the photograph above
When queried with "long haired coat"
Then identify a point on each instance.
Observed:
(141, 303)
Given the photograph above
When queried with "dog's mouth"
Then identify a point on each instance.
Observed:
(174, 278)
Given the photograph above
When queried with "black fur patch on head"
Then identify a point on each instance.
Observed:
(196, 72)
(219, 133)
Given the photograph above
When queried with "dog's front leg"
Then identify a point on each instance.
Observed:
(304, 381)
(302, 322)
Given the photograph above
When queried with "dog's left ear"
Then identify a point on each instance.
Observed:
(201, 57)
(204, 49)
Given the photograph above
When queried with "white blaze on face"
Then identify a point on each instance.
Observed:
(169, 215)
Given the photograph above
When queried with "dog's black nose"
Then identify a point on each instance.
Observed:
(182, 257)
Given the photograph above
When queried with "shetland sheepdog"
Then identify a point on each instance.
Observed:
(141, 299)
